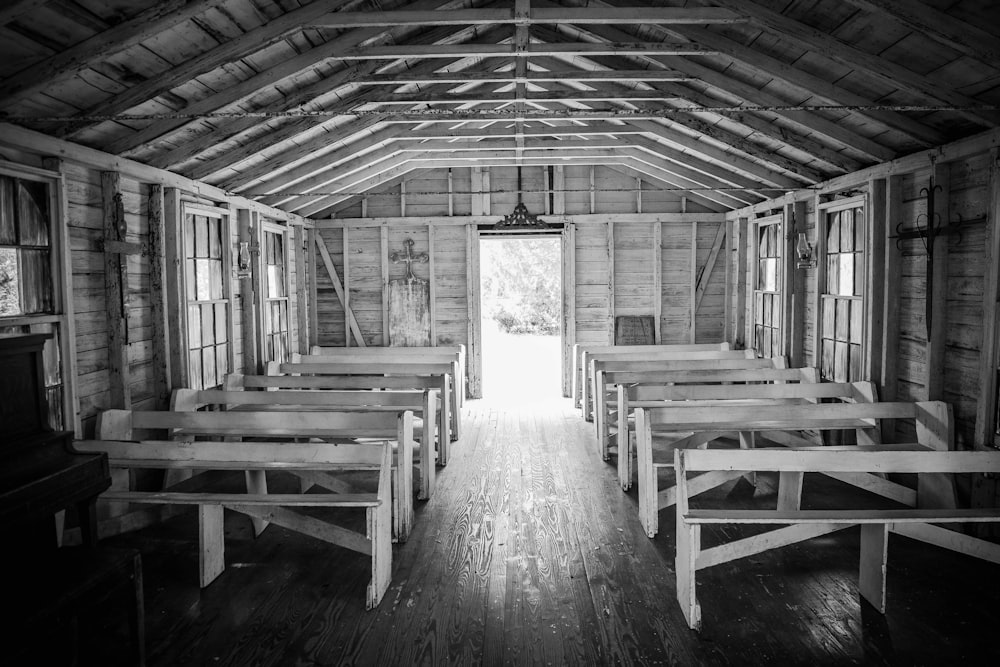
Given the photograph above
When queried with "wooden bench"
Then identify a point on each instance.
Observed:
(276, 380)
(876, 524)
(420, 403)
(634, 360)
(453, 353)
(580, 350)
(438, 374)
(711, 422)
(375, 542)
(339, 426)
(607, 374)
(809, 390)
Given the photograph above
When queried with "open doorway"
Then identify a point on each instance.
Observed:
(520, 285)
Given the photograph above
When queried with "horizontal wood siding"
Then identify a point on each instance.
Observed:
(634, 269)
(592, 285)
(451, 306)
(675, 322)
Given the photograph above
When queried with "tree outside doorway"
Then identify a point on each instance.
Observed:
(521, 303)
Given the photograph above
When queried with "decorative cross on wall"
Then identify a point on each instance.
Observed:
(409, 257)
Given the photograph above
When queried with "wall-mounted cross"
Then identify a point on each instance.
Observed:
(409, 257)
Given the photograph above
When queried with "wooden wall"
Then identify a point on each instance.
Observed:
(635, 252)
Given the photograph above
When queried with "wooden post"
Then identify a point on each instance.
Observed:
(740, 307)
(402, 201)
(694, 279)
(487, 197)
(312, 238)
(819, 251)
(985, 414)
(301, 283)
(158, 298)
(875, 282)
(63, 299)
(797, 287)
(116, 289)
(451, 193)
(727, 267)
(474, 358)
(593, 194)
(569, 305)
(938, 328)
(430, 284)
(348, 313)
(383, 241)
(638, 195)
(892, 275)
(476, 186)
(657, 281)
(611, 281)
(176, 296)
(559, 190)
(247, 231)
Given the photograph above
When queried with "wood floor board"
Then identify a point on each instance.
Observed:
(530, 553)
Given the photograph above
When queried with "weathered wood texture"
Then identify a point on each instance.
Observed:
(530, 553)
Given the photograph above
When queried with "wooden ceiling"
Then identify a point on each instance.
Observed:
(307, 105)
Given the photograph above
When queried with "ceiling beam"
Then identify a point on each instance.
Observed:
(954, 33)
(181, 73)
(15, 10)
(871, 65)
(405, 51)
(532, 76)
(619, 15)
(160, 17)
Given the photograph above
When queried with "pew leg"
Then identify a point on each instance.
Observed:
(648, 506)
(402, 501)
(748, 440)
(427, 464)
(257, 484)
(688, 546)
(625, 449)
(789, 490)
(211, 559)
(874, 552)
(380, 533)
(444, 428)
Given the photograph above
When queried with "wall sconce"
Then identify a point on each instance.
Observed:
(243, 259)
(804, 251)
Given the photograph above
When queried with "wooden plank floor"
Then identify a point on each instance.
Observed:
(529, 554)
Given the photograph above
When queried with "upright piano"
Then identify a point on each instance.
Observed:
(40, 472)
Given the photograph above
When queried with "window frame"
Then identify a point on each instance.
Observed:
(227, 241)
(823, 210)
(783, 277)
(261, 289)
(61, 318)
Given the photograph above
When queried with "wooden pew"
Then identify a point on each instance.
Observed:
(580, 350)
(124, 425)
(635, 360)
(607, 374)
(375, 542)
(440, 371)
(876, 524)
(711, 422)
(454, 353)
(420, 403)
(808, 390)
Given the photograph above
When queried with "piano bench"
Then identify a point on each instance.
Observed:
(65, 585)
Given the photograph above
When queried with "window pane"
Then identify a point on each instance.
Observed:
(840, 362)
(832, 274)
(857, 321)
(843, 319)
(775, 312)
(207, 324)
(826, 364)
(10, 283)
(8, 227)
(846, 231)
(201, 236)
(846, 287)
(216, 278)
(829, 317)
(36, 281)
(33, 213)
(194, 326)
(192, 280)
(221, 323)
(758, 308)
(859, 280)
(859, 228)
(208, 367)
(221, 362)
(196, 375)
(854, 371)
(833, 234)
(51, 361)
(189, 236)
(214, 238)
(765, 347)
(203, 289)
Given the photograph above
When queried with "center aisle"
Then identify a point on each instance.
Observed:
(529, 553)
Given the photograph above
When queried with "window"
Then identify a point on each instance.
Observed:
(768, 286)
(275, 341)
(842, 289)
(209, 308)
(31, 287)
